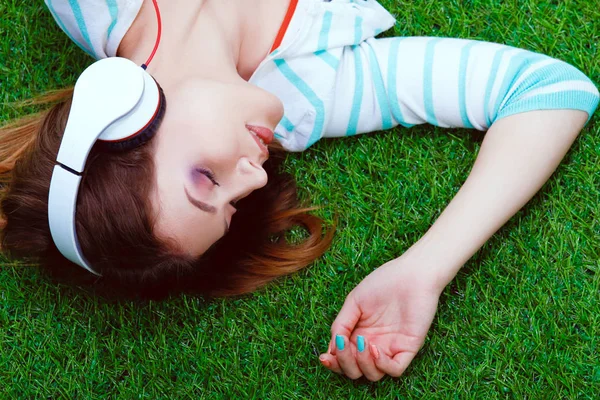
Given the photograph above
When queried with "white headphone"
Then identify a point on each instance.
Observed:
(115, 101)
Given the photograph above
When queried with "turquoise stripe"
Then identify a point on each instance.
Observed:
(113, 9)
(490, 84)
(324, 35)
(556, 72)
(462, 84)
(564, 99)
(310, 95)
(358, 33)
(287, 124)
(518, 64)
(322, 53)
(326, 56)
(393, 82)
(64, 28)
(428, 82)
(81, 23)
(359, 80)
(552, 73)
(567, 100)
(382, 99)
(358, 93)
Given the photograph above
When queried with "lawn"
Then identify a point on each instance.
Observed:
(521, 320)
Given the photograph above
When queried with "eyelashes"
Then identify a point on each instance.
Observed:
(211, 177)
(208, 174)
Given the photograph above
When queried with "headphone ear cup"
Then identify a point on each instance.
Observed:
(142, 136)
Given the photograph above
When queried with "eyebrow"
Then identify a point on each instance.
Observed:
(203, 206)
(200, 204)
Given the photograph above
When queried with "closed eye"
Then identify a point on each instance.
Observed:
(208, 174)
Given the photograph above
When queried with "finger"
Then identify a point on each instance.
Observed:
(393, 366)
(346, 358)
(331, 349)
(345, 321)
(330, 362)
(365, 362)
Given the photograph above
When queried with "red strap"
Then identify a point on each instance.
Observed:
(285, 24)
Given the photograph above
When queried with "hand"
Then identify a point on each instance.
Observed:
(387, 316)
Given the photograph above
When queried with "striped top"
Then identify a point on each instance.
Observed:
(96, 26)
(336, 79)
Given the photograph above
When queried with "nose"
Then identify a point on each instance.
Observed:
(249, 177)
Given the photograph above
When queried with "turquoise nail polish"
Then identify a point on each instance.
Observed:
(339, 342)
(360, 343)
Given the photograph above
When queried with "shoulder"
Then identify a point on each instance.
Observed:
(320, 25)
(97, 26)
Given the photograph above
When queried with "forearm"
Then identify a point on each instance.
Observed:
(518, 155)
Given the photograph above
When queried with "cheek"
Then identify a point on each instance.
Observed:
(270, 105)
(208, 135)
(216, 145)
(276, 104)
(206, 152)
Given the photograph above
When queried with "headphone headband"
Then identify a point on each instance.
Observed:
(114, 101)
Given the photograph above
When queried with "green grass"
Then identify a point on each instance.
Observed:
(521, 320)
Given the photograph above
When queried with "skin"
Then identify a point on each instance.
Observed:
(200, 132)
(393, 307)
(209, 50)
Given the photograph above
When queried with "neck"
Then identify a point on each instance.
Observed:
(216, 39)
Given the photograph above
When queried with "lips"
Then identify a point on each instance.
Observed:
(262, 136)
(264, 133)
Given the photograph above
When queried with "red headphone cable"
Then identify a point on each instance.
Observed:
(158, 35)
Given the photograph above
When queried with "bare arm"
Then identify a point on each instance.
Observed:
(533, 107)
(518, 155)
(391, 310)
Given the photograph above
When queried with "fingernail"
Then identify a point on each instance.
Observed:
(375, 351)
(339, 342)
(325, 363)
(360, 343)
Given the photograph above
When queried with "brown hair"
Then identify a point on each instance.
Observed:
(115, 220)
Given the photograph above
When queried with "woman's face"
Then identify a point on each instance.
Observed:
(206, 158)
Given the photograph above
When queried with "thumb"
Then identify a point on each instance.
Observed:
(346, 320)
(393, 366)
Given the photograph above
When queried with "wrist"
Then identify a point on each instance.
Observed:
(436, 260)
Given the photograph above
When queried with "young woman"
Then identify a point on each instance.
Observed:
(235, 73)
